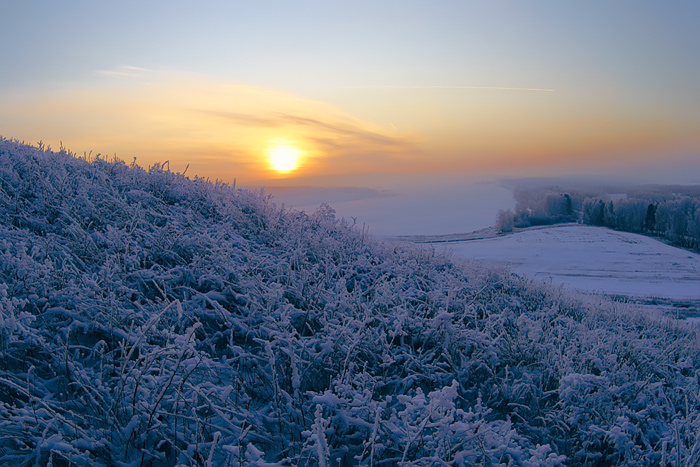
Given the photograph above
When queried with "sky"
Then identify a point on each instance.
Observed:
(376, 94)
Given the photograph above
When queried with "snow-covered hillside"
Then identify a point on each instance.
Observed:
(593, 259)
(151, 320)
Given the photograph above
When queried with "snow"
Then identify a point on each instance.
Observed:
(200, 324)
(594, 260)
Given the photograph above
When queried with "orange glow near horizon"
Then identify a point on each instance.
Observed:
(230, 132)
(222, 131)
(482, 90)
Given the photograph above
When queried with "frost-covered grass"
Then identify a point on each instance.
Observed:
(148, 319)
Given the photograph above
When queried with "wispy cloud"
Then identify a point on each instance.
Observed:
(493, 88)
(318, 127)
(136, 68)
(124, 71)
(347, 130)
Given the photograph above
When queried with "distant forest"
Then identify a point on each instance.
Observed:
(671, 212)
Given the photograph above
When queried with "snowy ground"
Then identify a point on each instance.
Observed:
(593, 260)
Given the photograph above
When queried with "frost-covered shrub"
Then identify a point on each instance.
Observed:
(149, 319)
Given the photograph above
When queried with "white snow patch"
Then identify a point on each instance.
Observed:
(593, 260)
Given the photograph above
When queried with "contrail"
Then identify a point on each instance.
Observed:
(124, 70)
(497, 88)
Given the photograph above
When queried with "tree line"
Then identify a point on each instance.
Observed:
(670, 212)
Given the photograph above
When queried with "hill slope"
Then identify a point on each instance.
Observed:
(148, 319)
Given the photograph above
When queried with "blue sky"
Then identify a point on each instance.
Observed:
(377, 89)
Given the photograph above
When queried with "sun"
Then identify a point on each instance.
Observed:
(283, 158)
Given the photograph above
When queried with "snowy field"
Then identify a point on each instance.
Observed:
(593, 260)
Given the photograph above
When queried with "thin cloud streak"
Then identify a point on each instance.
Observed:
(124, 70)
(349, 130)
(494, 88)
(136, 68)
(343, 129)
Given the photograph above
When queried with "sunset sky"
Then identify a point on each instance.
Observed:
(352, 93)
